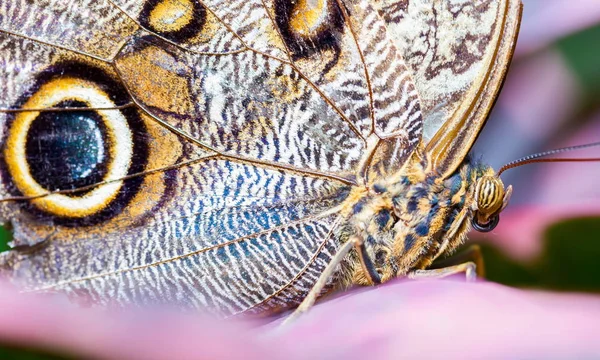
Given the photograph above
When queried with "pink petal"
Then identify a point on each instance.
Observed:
(448, 319)
(402, 319)
(52, 323)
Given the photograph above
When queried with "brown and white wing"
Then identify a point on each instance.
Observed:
(201, 149)
(459, 52)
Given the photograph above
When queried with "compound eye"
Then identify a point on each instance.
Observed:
(487, 227)
(46, 151)
(490, 194)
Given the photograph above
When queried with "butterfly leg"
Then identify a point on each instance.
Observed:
(469, 268)
(469, 261)
(310, 299)
(472, 254)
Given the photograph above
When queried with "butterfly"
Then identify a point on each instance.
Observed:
(220, 154)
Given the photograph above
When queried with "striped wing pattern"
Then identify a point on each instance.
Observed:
(255, 122)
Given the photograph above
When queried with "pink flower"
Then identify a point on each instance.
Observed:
(402, 319)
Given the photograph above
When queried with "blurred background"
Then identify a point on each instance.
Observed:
(549, 237)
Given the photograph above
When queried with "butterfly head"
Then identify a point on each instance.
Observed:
(491, 197)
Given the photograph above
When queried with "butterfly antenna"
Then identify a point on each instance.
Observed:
(540, 157)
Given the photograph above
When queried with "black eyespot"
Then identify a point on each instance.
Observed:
(487, 227)
(60, 150)
(67, 150)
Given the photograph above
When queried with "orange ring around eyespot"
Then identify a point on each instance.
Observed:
(119, 138)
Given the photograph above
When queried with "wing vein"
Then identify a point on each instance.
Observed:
(301, 272)
(233, 157)
(67, 109)
(364, 64)
(106, 182)
(200, 251)
(290, 63)
(172, 42)
(11, 33)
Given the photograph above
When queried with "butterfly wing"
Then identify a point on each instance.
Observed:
(208, 146)
(459, 52)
